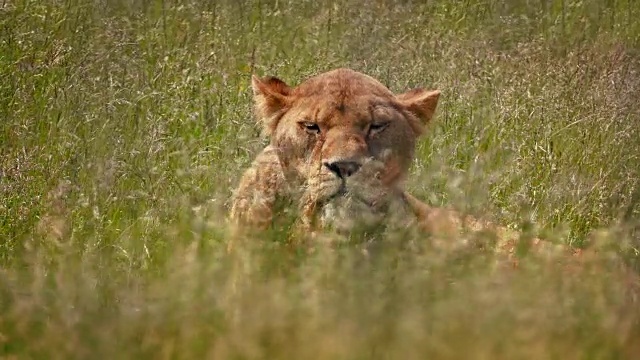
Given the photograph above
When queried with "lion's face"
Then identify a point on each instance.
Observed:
(344, 134)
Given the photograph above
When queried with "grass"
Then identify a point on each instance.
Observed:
(119, 117)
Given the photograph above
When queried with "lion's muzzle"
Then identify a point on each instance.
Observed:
(343, 168)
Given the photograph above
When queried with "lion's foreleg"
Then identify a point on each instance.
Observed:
(255, 197)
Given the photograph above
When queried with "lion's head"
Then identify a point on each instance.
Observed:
(343, 134)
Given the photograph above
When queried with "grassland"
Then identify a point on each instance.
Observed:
(118, 117)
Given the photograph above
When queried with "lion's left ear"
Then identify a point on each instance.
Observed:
(271, 96)
(421, 103)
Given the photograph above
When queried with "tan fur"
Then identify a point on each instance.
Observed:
(359, 120)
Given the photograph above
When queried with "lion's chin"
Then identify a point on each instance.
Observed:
(346, 213)
(330, 190)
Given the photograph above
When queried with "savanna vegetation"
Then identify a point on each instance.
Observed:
(125, 125)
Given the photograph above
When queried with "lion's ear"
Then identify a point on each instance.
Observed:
(420, 102)
(271, 96)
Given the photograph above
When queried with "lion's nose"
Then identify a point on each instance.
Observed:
(343, 168)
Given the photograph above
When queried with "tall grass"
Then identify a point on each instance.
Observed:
(117, 118)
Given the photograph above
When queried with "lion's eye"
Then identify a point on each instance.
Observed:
(311, 128)
(377, 128)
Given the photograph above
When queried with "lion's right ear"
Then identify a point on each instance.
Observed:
(271, 97)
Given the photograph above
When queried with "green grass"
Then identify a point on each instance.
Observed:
(118, 117)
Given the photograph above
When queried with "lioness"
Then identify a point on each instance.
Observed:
(340, 145)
